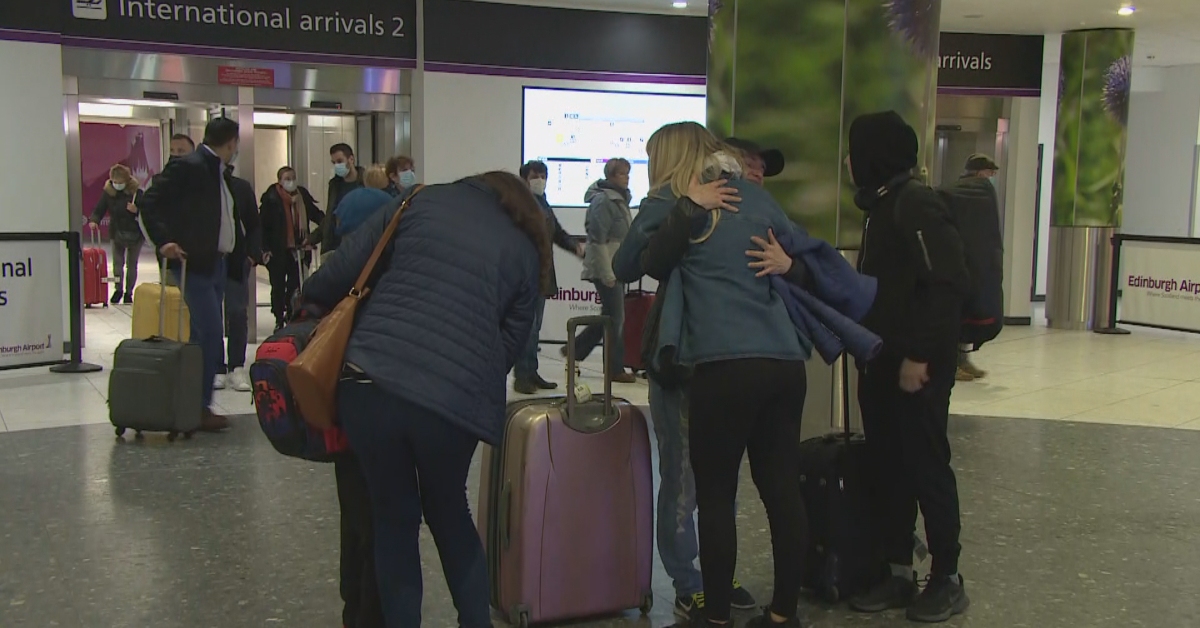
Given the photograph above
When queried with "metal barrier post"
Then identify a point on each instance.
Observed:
(1114, 286)
(74, 277)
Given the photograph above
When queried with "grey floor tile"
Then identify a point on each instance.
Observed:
(1064, 525)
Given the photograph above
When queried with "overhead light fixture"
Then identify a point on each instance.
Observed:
(102, 110)
(1127, 10)
(137, 102)
(274, 118)
(679, 4)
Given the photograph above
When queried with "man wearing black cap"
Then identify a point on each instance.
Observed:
(760, 163)
(979, 176)
(911, 246)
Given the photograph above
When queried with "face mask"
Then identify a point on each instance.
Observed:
(233, 157)
(537, 186)
(289, 185)
(173, 158)
(992, 179)
(408, 178)
(118, 186)
(341, 169)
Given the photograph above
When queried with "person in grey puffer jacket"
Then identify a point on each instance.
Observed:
(119, 202)
(607, 223)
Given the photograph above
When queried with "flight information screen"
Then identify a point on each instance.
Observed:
(576, 131)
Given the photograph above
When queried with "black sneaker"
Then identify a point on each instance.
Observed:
(941, 600)
(116, 297)
(525, 387)
(741, 598)
(543, 384)
(128, 299)
(690, 609)
(765, 621)
(893, 592)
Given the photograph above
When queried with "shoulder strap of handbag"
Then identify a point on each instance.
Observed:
(388, 233)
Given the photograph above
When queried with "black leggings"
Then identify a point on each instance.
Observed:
(754, 405)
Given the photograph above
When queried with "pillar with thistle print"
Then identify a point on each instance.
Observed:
(793, 75)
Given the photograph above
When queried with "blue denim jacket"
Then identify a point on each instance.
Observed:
(722, 311)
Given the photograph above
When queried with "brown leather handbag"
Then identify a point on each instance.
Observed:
(313, 375)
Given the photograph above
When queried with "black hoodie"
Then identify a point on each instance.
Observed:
(909, 244)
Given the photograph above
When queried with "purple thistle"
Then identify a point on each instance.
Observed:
(916, 22)
(1116, 89)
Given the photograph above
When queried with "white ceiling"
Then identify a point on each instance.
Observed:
(1168, 31)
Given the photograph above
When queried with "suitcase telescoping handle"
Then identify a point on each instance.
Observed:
(94, 229)
(162, 297)
(846, 396)
(572, 325)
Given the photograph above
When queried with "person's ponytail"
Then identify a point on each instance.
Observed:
(526, 214)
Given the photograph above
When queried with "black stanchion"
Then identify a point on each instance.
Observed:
(1114, 286)
(75, 263)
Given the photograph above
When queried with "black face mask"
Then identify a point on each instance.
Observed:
(172, 158)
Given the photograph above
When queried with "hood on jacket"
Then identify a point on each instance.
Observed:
(883, 149)
(130, 187)
(603, 187)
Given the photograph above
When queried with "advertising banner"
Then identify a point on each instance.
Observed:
(1160, 285)
(379, 29)
(31, 303)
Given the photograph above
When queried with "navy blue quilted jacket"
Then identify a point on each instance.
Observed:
(451, 309)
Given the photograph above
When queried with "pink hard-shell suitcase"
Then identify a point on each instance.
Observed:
(566, 505)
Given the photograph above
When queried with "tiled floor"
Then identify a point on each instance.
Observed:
(1065, 523)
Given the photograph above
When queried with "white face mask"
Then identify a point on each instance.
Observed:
(289, 185)
(118, 186)
(537, 186)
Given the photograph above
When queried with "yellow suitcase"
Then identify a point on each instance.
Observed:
(145, 312)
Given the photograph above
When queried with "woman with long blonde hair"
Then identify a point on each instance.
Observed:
(743, 358)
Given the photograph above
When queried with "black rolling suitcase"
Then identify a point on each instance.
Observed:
(844, 555)
(156, 384)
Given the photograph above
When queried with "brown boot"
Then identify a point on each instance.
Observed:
(624, 377)
(213, 422)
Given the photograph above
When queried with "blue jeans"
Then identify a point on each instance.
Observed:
(677, 543)
(612, 304)
(526, 367)
(204, 294)
(416, 463)
(237, 302)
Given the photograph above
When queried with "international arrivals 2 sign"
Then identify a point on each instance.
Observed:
(372, 29)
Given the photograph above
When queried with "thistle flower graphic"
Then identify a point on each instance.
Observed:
(916, 22)
(1116, 89)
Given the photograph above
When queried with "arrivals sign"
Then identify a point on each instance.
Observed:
(31, 303)
(1160, 284)
(990, 65)
(380, 29)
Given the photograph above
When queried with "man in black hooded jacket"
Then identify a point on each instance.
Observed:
(911, 246)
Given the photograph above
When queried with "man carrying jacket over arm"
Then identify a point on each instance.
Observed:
(911, 247)
(190, 214)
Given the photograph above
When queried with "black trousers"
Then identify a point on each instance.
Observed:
(737, 406)
(359, 588)
(284, 273)
(909, 457)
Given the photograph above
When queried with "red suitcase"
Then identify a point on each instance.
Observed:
(95, 272)
(566, 506)
(637, 310)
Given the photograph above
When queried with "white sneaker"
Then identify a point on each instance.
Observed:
(240, 380)
(219, 381)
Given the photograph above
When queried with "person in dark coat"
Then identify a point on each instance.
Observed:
(189, 213)
(119, 202)
(979, 182)
(347, 177)
(911, 247)
(247, 253)
(426, 367)
(288, 214)
(526, 380)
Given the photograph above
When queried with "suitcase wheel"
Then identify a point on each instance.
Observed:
(139, 435)
(647, 604)
(832, 595)
(172, 435)
(519, 617)
(189, 435)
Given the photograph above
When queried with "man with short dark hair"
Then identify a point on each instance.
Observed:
(979, 174)
(181, 145)
(347, 177)
(526, 379)
(190, 214)
(247, 252)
